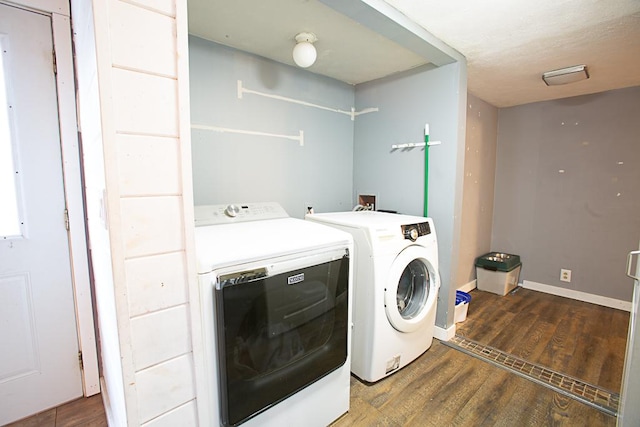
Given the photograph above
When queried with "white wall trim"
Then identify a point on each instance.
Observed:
(444, 334)
(468, 287)
(61, 27)
(117, 318)
(577, 295)
(61, 7)
(105, 402)
(204, 413)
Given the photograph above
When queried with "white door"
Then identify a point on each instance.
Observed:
(39, 365)
(629, 413)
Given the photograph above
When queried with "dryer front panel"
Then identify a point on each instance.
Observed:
(280, 326)
(411, 289)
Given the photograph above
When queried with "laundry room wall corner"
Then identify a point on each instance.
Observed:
(398, 176)
(479, 182)
(446, 183)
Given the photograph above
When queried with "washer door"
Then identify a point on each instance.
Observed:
(412, 287)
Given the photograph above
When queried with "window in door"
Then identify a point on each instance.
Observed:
(11, 225)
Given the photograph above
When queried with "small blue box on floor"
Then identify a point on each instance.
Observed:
(462, 306)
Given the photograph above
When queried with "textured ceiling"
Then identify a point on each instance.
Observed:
(508, 43)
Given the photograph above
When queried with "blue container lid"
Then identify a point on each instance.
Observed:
(462, 298)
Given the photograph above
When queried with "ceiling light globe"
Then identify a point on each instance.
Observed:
(304, 54)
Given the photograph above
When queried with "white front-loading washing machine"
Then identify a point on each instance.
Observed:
(396, 282)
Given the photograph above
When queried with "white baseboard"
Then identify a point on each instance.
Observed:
(468, 287)
(577, 295)
(444, 334)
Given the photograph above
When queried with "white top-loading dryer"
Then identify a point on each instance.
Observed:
(396, 282)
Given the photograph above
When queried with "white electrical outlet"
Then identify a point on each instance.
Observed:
(565, 275)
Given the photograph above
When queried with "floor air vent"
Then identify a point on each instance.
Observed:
(586, 393)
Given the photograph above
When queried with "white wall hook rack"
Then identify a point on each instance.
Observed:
(414, 145)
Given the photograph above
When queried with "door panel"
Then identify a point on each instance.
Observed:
(39, 358)
(629, 413)
(17, 329)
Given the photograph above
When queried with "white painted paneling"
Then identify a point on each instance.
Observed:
(185, 415)
(152, 225)
(136, 45)
(148, 165)
(164, 387)
(160, 336)
(166, 7)
(146, 104)
(156, 282)
(150, 47)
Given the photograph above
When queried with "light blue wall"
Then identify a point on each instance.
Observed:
(407, 102)
(230, 167)
(340, 158)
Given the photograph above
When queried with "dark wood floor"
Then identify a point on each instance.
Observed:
(576, 338)
(447, 387)
(86, 411)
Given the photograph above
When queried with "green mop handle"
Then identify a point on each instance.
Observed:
(426, 168)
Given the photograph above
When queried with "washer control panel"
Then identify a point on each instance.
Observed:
(413, 231)
(232, 213)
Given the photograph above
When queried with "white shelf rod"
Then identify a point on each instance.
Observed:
(299, 137)
(352, 113)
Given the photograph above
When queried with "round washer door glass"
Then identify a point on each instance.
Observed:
(411, 290)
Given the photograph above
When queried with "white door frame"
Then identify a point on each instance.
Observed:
(71, 170)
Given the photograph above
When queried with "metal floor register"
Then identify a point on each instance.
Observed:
(589, 394)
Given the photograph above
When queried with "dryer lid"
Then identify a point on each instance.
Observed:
(225, 245)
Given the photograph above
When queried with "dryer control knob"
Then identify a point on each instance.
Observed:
(232, 211)
(412, 234)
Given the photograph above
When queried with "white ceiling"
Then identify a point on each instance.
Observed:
(508, 43)
(347, 51)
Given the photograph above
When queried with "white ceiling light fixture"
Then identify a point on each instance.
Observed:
(304, 52)
(567, 75)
